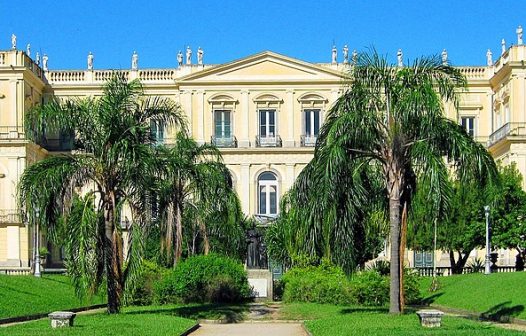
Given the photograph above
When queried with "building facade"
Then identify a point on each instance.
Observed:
(264, 112)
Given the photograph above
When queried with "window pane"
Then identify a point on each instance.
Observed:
(267, 176)
(262, 200)
(263, 123)
(307, 123)
(273, 200)
(316, 122)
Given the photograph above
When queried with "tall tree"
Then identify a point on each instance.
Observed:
(114, 162)
(195, 187)
(393, 117)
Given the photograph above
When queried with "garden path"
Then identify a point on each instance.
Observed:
(251, 328)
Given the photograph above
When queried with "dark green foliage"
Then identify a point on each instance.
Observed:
(369, 288)
(320, 284)
(144, 292)
(205, 279)
(382, 267)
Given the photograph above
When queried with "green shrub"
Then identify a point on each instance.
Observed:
(144, 292)
(320, 284)
(205, 279)
(369, 288)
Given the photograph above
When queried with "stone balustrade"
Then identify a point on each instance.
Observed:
(475, 72)
(155, 75)
(18, 58)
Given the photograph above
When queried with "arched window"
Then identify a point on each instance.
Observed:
(268, 194)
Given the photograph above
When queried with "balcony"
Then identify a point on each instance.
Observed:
(268, 141)
(12, 133)
(508, 129)
(9, 216)
(224, 142)
(308, 141)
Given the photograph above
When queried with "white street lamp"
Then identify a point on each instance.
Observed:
(488, 247)
(37, 245)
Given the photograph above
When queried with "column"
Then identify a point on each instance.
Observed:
(187, 106)
(334, 96)
(243, 129)
(13, 245)
(244, 188)
(289, 118)
(289, 177)
(200, 116)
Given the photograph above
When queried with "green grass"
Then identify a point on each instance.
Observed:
(334, 321)
(132, 321)
(495, 294)
(27, 295)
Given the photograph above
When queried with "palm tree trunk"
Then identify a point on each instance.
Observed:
(206, 243)
(178, 233)
(393, 183)
(111, 254)
(403, 235)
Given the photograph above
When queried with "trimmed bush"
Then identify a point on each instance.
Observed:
(144, 291)
(369, 288)
(205, 279)
(320, 284)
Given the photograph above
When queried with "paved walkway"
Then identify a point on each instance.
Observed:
(252, 329)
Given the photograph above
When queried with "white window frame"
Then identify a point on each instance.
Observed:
(267, 184)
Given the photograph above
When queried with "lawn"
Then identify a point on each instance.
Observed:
(132, 321)
(333, 320)
(495, 294)
(27, 295)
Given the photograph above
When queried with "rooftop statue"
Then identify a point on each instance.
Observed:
(334, 55)
(444, 57)
(28, 50)
(188, 55)
(180, 58)
(90, 61)
(199, 55)
(503, 46)
(44, 62)
(37, 58)
(489, 58)
(400, 58)
(519, 35)
(135, 61)
(345, 54)
(354, 57)
(13, 41)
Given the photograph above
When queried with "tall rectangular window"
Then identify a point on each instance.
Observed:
(267, 123)
(468, 123)
(312, 122)
(222, 124)
(157, 131)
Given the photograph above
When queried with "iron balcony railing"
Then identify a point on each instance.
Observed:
(12, 133)
(268, 141)
(508, 129)
(308, 141)
(9, 216)
(224, 142)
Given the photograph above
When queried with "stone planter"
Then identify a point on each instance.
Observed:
(430, 318)
(61, 319)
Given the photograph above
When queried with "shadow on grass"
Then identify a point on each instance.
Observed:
(226, 313)
(430, 299)
(380, 310)
(503, 311)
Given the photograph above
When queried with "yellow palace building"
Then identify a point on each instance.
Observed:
(264, 112)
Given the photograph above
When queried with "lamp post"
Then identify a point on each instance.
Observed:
(37, 244)
(487, 269)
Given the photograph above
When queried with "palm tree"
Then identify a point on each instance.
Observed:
(197, 187)
(114, 163)
(392, 118)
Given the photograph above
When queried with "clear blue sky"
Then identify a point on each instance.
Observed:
(228, 30)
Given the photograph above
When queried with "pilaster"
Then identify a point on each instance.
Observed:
(244, 141)
(289, 141)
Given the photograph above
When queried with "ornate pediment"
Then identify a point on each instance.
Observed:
(264, 67)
